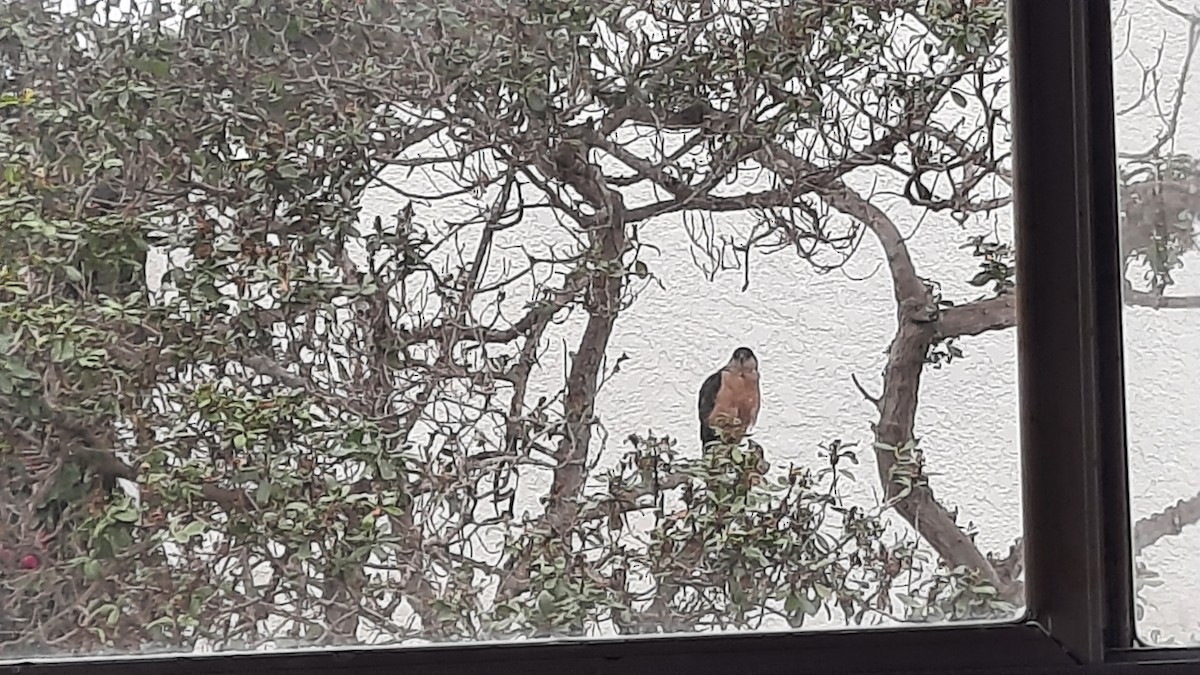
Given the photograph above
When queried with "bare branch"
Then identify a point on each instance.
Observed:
(981, 316)
(873, 399)
(1170, 521)
(1157, 301)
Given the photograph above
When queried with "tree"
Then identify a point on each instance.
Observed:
(318, 429)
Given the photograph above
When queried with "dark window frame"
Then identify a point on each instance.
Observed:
(1079, 578)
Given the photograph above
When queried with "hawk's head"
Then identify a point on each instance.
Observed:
(743, 360)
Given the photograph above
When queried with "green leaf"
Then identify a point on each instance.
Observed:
(160, 69)
(545, 602)
(263, 494)
(92, 570)
(288, 171)
(19, 371)
(387, 471)
(127, 515)
(192, 529)
(536, 102)
(792, 603)
(161, 622)
(981, 279)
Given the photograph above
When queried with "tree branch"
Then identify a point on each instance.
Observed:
(607, 240)
(1156, 301)
(981, 316)
(978, 317)
(917, 330)
(607, 243)
(1170, 521)
(1146, 532)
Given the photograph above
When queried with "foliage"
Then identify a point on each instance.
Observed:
(315, 429)
(1159, 203)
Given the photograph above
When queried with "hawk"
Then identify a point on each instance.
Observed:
(729, 399)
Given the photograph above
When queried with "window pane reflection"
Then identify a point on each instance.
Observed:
(1158, 136)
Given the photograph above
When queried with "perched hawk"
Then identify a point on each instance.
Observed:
(729, 399)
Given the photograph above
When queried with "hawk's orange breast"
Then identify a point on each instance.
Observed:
(737, 398)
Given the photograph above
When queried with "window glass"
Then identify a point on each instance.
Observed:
(1158, 139)
(333, 323)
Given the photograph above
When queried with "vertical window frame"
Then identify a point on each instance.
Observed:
(1069, 339)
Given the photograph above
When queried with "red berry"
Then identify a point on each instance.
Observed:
(29, 562)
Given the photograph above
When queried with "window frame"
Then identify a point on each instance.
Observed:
(1079, 572)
